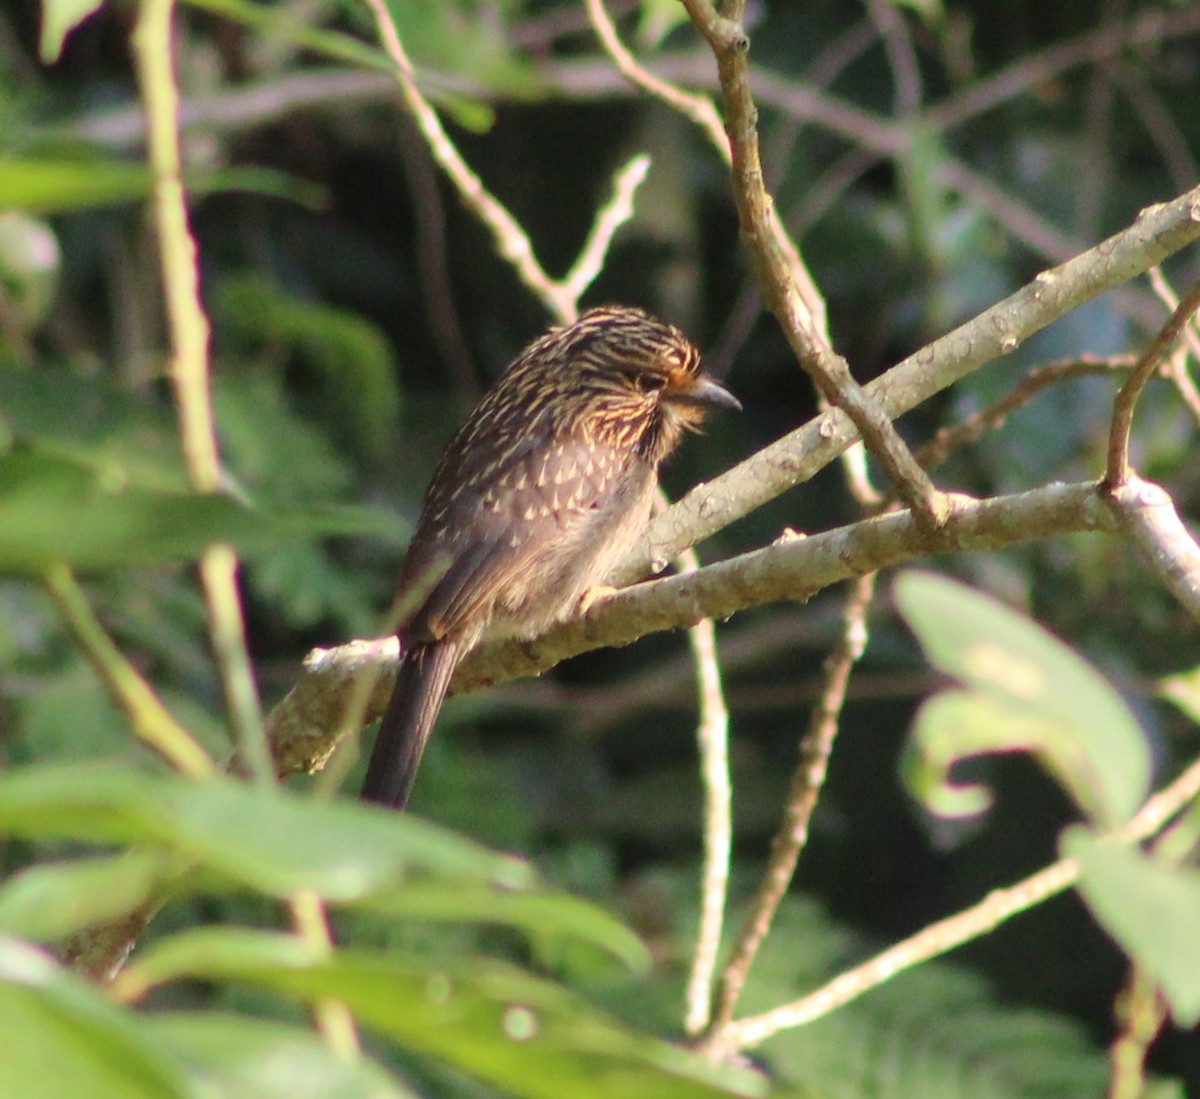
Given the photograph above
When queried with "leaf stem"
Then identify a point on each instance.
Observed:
(152, 721)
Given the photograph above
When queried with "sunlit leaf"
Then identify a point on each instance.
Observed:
(1026, 692)
(59, 18)
(1152, 909)
(1183, 689)
(50, 186)
(49, 901)
(489, 1019)
(267, 839)
(546, 915)
(61, 1038)
(237, 1057)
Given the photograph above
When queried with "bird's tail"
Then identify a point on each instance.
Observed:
(421, 684)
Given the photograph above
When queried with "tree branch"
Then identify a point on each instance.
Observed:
(1158, 232)
(795, 567)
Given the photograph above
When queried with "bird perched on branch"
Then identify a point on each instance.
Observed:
(536, 499)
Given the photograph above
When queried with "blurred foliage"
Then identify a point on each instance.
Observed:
(929, 158)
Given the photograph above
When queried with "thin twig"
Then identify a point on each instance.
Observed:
(152, 722)
(775, 258)
(1141, 1013)
(1166, 294)
(177, 250)
(712, 738)
(808, 780)
(699, 108)
(1117, 471)
(1175, 367)
(512, 242)
(189, 372)
(560, 296)
(332, 1016)
(972, 428)
(609, 218)
(939, 938)
(1146, 513)
(190, 376)
(712, 741)
(1158, 232)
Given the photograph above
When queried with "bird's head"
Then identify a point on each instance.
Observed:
(632, 380)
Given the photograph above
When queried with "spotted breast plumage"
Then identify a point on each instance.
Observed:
(536, 499)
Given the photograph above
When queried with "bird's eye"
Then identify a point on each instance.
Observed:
(649, 382)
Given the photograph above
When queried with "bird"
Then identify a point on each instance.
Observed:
(537, 497)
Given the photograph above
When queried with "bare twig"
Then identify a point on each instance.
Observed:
(939, 938)
(807, 782)
(712, 737)
(190, 377)
(1147, 514)
(712, 740)
(1141, 1013)
(699, 108)
(1175, 367)
(189, 372)
(333, 1017)
(560, 297)
(1158, 232)
(609, 218)
(1118, 472)
(775, 259)
(512, 242)
(974, 427)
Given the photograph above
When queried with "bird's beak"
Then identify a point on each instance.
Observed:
(707, 391)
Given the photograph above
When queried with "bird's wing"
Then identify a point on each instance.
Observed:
(492, 538)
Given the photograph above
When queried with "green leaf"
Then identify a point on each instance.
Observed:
(236, 1057)
(48, 902)
(59, 18)
(94, 422)
(267, 839)
(347, 357)
(497, 1023)
(656, 20)
(278, 22)
(61, 509)
(1152, 909)
(1183, 689)
(56, 186)
(547, 915)
(1026, 692)
(59, 1038)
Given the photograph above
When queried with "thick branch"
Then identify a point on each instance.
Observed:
(1158, 232)
(793, 568)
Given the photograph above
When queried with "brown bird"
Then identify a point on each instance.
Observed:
(536, 499)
